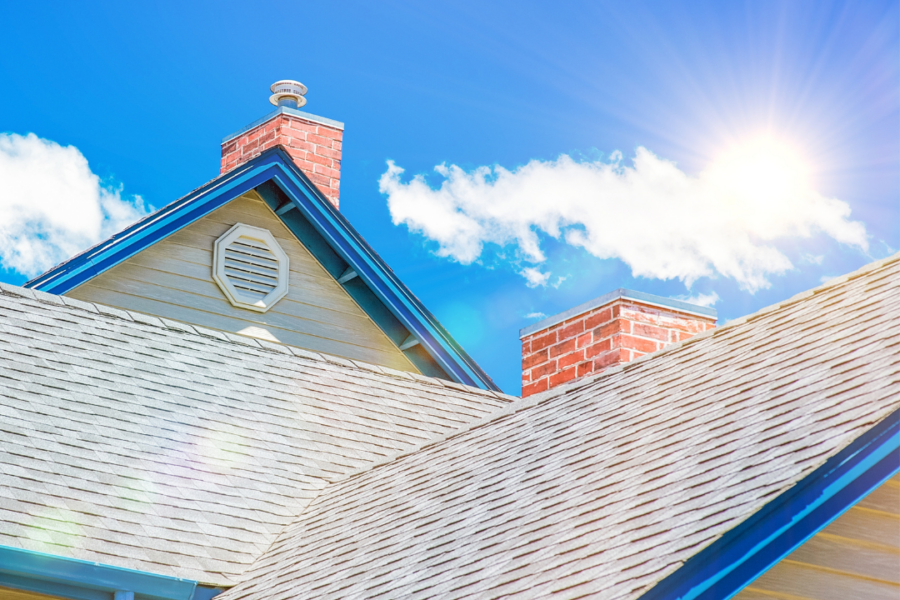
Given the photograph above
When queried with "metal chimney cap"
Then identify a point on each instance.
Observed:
(288, 92)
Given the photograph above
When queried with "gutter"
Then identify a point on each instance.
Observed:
(84, 580)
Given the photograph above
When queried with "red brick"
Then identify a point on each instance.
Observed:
(634, 343)
(332, 134)
(610, 358)
(301, 127)
(526, 347)
(650, 331)
(597, 318)
(543, 370)
(640, 314)
(304, 165)
(601, 346)
(562, 348)
(539, 343)
(572, 330)
(322, 160)
(535, 359)
(584, 340)
(327, 171)
(613, 327)
(301, 145)
(571, 359)
(585, 368)
(328, 152)
(534, 388)
(562, 377)
(319, 140)
(318, 179)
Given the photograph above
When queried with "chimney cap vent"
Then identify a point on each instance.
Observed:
(288, 92)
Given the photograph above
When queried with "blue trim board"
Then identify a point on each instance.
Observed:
(738, 558)
(83, 580)
(385, 298)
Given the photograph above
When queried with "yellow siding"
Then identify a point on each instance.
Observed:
(11, 594)
(857, 556)
(173, 279)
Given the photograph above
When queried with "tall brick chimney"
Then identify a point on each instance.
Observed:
(612, 329)
(314, 143)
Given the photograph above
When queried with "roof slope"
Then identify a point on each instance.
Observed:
(152, 445)
(604, 487)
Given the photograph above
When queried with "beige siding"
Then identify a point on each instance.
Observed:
(173, 279)
(857, 556)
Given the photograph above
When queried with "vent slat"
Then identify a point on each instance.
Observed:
(238, 246)
(270, 282)
(249, 285)
(254, 258)
(243, 240)
(244, 265)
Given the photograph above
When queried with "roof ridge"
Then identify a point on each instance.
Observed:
(521, 404)
(237, 339)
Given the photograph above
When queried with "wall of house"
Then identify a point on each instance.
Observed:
(856, 556)
(173, 279)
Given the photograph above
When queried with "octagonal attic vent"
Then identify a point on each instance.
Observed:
(250, 267)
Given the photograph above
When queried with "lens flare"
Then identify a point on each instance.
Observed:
(765, 171)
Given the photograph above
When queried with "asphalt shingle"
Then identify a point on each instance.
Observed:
(153, 445)
(604, 487)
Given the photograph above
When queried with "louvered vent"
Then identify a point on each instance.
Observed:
(250, 267)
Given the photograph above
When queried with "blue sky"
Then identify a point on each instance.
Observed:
(146, 92)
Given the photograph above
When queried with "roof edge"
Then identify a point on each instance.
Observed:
(620, 294)
(49, 573)
(751, 548)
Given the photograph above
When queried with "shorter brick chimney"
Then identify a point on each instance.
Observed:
(314, 143)
(609, 330)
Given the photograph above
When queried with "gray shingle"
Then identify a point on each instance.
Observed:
(605, 486)
(152, 445)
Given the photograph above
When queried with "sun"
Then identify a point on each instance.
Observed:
(764, 171)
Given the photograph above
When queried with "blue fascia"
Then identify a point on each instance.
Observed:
(276, 166)
(738, 558)
(83, 580)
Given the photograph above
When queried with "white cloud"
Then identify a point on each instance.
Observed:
(700, 299)
(536, 315)
(51, 204)
(813, 259)
(659, 220)
(534, 277)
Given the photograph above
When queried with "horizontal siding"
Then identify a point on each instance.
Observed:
(856, 556)
(173, 279)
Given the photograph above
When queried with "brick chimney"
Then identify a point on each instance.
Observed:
(314, 143)
(609, 330)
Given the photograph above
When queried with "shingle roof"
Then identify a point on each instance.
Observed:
(152, 445)
(604, 487)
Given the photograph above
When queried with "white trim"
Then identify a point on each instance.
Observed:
(221, 277)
